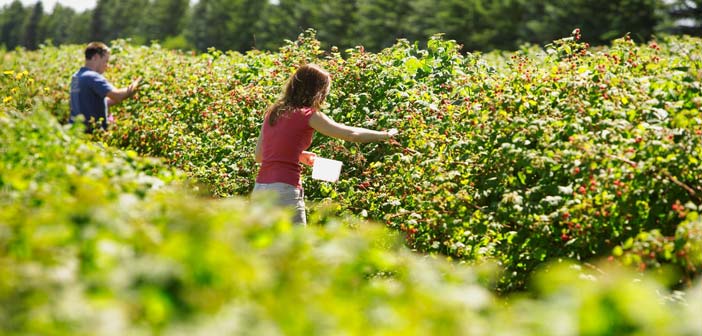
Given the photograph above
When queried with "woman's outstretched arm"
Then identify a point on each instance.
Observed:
(325, 125)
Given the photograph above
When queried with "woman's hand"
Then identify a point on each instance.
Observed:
(307, 158)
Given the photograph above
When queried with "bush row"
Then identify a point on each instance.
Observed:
(96, 240)
(518, 157)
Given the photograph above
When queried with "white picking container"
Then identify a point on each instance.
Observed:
(326, 169)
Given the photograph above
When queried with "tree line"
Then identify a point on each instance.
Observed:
(241, 25)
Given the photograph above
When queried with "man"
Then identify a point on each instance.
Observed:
(91, 93)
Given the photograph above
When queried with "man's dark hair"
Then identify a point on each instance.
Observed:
(94, 48)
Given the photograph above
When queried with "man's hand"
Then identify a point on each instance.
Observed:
(118, 95)
(134, 87)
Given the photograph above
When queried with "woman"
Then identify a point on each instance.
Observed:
(287, 132)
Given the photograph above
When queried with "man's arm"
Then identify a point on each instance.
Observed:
(117, 95)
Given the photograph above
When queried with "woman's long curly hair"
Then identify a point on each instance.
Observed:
(308, 87)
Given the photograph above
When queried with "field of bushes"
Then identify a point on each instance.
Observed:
(549, 190)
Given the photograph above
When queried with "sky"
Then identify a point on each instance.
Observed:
(78, 5)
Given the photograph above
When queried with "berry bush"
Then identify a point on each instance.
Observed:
(518, 158)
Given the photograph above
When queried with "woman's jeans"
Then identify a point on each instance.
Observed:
(288, 195)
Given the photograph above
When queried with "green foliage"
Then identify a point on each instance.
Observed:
(688, 14)
(489, 25)
(521, 158)
(601, 20)
(11, 25)
(387, 16)
(60, 26)
(31, 29)
(226, 25)
(165, 19)
(654, 249)
(526, 159)
(97, 240)
(243, 25)
(178, 43)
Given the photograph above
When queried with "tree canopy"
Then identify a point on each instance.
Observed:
(242, 25)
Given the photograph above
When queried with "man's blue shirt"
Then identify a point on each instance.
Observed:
(88, 92)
